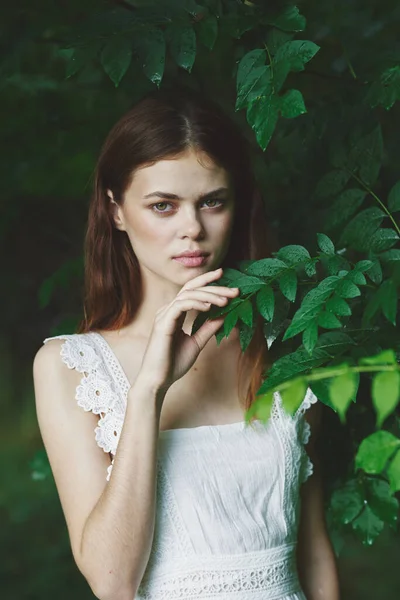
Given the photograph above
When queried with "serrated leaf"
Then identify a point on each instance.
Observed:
(288, 285)
(310, 336)
(325, 244)
(292, 104)
(293, 396)
(116, 57)
(393, 473)
(385, 394)
(390, 255)
(80, 57)
(231, 320)
(366, 154)
(150, 50)
(394, 198)
(207, 31)
(356, 277)
(343, 390)
(375, 451)
(265, 302)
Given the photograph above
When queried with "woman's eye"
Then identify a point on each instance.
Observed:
(159, 206)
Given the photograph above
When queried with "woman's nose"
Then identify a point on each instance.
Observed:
(192, 224)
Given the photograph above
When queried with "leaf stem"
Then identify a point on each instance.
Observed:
(381, 204)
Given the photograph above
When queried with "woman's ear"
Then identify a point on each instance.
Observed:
(116, 212)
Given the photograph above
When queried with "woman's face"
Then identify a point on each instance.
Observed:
(178, 205)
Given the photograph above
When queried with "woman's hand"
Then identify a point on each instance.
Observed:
(170, 352)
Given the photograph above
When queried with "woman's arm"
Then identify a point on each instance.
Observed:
(315, 556)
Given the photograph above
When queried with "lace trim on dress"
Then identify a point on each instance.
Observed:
(96, 391)
(272, 571)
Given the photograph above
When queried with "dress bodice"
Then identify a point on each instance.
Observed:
(228, 502)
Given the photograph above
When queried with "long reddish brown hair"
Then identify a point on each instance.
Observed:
(163, 125)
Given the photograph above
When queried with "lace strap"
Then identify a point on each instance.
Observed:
(96, 391)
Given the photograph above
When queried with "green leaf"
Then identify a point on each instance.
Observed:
(261, 407)
(257, 85)
(385, 394)
(356, 277)
(332, 183)
(249, 62)
(347, 502)
(293, 254)
(207, 31)
(116, 57)
(383, 239)
(231, 320)
(292, 104)
(347, 289)
(80, 57)
(262, 116)
(366, 154)
(150, 50)
(182, 44)
(386, 357)
(381, 501)
(245, 335)
(394, 198)
(327, 320)
(265, 302)
(297, 53)
(310, 336)
(386, 90)
(267, 267)
(393, 473)
(343, 390)
(389, 299)
(361, 228)
(289, 20)
(390, 255)
(293, 396)
(337, 305)
(345, 205)
(375, 451)
(246, 312)
(368, 526)
(325, 244)
(375, 272)
(288, 285)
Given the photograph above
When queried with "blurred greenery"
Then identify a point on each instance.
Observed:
(68, 72)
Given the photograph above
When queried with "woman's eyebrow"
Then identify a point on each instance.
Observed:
(169, 196)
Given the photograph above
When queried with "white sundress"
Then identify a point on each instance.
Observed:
(227, 504)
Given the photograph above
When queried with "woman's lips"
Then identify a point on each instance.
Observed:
(191, 261)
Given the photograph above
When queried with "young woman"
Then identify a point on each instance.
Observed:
(166, 492)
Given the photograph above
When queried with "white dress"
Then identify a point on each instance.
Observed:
(228, 501)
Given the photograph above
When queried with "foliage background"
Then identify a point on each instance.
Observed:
(69, 70)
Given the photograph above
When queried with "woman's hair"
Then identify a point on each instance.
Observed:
(163, 125)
